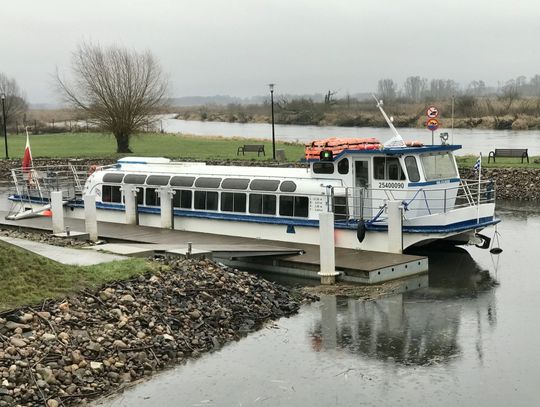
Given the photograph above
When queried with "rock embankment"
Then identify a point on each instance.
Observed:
(518, 184)
(66, 352)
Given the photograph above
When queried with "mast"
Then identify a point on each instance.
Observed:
(397, 140)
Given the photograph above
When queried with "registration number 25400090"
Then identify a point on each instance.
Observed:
(393, 185)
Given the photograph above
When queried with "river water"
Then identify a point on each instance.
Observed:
(470, 339)
(473, 141)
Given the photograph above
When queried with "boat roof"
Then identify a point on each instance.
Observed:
(392, 151)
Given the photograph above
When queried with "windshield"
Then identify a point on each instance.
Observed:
(439, 166)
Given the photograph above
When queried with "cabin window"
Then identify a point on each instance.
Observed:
(264, 185)
(235, 183)
(152, 197)
(323, 168)
(206, 200)
(111, 193)
(158, 180)
(412, 168)
(297, 206)
(287, 186)
(134, 179)
(182, 198)
(233, 202)
(206, 182)
(388, 168)
(140, 196)
(343, 166)
(263, 204)
(439, 166)
(113, 178)
(180, 181)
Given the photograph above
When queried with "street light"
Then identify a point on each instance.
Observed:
(271, 86)
(4, 121)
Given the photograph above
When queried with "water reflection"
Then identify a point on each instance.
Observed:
(420, 327)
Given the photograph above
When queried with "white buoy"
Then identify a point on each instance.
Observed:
(165, 199)
(130, 203)
(395, 223)
(90, 217)
(327, 248)
(57, 209)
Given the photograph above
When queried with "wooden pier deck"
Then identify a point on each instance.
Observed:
(361, 266)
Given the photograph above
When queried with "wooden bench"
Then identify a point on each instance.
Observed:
(509, 152)
(254, 148)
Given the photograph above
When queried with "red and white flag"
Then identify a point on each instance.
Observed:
(27, 158)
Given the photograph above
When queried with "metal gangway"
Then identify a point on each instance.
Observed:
(32, 187)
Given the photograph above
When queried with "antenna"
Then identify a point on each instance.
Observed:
(397, 140)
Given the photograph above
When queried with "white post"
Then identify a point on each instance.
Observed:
(90, 217)
(327, 248)
(130, 203)
(395, 233)
(165, 199)
(57, 209)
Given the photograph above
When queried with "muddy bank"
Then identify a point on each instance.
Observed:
(69, 351)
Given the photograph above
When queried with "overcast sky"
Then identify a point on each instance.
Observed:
(236, 47)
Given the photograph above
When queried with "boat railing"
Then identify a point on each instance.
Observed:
(39, 182)
(353, 203)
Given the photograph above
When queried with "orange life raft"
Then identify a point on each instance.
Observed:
(337, 145)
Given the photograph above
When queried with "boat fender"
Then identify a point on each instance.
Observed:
(361, 230)
(92, 169)
(485, 241)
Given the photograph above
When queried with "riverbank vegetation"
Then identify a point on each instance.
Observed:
(513, 105)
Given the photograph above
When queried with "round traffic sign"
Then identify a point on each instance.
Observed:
(433, 124)
(432, 112)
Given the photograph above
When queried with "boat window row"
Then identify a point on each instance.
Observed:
(238, 202)
(325, 167)
(269, 185)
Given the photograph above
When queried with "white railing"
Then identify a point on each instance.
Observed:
(352, 204)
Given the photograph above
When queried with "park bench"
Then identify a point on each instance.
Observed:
(254, 148)
(509, 152)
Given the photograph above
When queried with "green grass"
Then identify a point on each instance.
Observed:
(147, 144)
(26, 278)
(514, 162)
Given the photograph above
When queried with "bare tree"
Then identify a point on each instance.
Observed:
(120, 90)
(15, 102)
(509, 93)
(415, 87)
(387, 89)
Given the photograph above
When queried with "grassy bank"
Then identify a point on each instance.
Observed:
(148, 144)
(26, 278)
(468, 161)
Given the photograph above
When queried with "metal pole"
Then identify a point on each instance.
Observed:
(4, 121)
(453, 100)
(432, 138)
(273, 132)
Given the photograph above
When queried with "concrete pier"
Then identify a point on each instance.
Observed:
(130, 202)
(327, 248)
(395, 226)
(165, 199)
(90, 217)
(57, 209)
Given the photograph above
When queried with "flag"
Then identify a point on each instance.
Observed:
(27, 158)
(478, 164)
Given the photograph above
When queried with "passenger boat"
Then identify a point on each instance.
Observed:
(354, 179)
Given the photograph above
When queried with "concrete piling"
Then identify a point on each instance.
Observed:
(57, 209)
(165, 195)
(90, 217)
(130, 202)
(327, 248)
(395, 226)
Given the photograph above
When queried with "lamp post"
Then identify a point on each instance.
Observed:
(271, 86)
(4, 122)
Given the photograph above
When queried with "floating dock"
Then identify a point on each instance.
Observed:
(360, 266)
